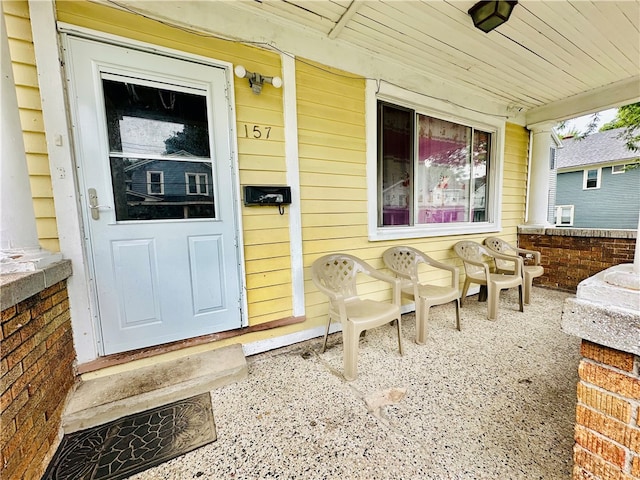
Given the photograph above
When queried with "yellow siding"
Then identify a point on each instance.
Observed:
(334, 185)
(16, 14)
(261, 161)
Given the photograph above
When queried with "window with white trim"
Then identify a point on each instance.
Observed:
(197, 183)
(155, 182)
(564, 215)
(591, 178)
(616, 169)
(431, 170)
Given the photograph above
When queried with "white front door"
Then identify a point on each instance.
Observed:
(157, 187)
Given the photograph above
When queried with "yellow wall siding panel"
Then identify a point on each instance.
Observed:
(51, 244)
(265, 279)
(25, 75)
(44, 207)
(336, 168)
(22, 51)
(31, 120)
(38, 164)
(322, 192)
(336, 219)
(267, 264)
(320, 233)
(344, 129)
(29, 98)
(255, 177)
(329, 152)
(47, 228)
(261, 237)
(261, 218)
(270, 293)
(19, 28)
(257, 147)
(263, 163)
(335, 181)
(270, 250)
(17, 8)
(35, 142)
(328, 206)
(41, 186)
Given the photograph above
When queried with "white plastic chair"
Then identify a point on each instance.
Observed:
(404, 262)
(530, 271)
(335, 276)
(476, 260)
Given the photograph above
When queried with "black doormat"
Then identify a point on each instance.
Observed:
(129, 445)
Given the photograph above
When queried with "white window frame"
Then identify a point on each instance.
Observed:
(559, 209)
(149, 182)
(198, 184)
(443, 110)
(622, 169)
(585, 176)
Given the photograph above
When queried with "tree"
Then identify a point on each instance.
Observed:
(628, 117)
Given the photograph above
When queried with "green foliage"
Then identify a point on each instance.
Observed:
(628, 117)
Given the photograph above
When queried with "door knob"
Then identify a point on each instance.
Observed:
(93, 204)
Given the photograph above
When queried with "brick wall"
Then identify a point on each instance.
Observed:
(567, 260)
(608, 415)
(36, 361)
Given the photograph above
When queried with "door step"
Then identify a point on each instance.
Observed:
(108, 398)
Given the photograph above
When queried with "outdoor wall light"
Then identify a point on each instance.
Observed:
(489, 15)
(256, 80)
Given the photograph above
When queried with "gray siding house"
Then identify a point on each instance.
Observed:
(598, 183)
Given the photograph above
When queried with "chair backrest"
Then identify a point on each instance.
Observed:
(472, 251)
(498, 245)
(403, 260)
(337, 272)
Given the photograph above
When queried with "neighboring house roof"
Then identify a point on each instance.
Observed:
(597, 148)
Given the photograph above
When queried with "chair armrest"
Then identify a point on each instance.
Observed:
(395, 282)
(529, 254)
(455, 275)
(516, 259)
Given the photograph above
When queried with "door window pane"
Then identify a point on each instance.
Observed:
(159, 144)
(143, 120)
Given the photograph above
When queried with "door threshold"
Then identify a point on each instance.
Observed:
(147, 352)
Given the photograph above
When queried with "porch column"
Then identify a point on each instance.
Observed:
(538, 205)
(19, 247)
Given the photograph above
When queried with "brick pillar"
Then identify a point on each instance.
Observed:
(608, 414)
(37, 374)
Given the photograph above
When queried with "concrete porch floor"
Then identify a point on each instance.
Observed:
(494, 401)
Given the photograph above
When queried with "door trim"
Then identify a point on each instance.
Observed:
(67, 31)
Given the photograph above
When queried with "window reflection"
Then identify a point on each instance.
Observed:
(161, 189)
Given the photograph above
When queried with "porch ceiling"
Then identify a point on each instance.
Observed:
(551, 60)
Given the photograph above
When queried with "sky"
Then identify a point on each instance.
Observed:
(581, 123)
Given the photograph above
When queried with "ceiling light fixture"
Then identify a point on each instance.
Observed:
(489, 15)
(256, 80)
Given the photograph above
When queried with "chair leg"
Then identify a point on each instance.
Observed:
(457, 300)
(465, 289)
(528, 284)
(521, 299)
(398, 322)
(421, 323)
(493, 300)
(350, 338)
(326, 335)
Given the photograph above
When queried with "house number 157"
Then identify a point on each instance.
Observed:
(257, 131)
